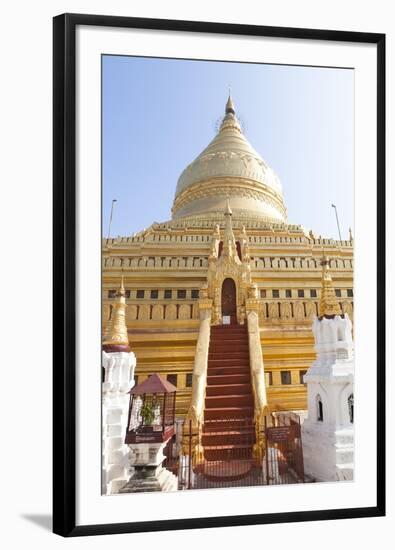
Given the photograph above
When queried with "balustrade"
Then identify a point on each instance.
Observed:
(201, 262)
(157, 262)
(266, 262)
(297, 309)
(156, 312)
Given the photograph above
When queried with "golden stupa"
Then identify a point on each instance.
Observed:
(169, 270)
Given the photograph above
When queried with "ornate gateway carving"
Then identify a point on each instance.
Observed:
(226, 264)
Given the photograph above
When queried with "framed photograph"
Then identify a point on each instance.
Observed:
(219, 275)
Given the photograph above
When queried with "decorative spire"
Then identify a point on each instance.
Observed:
(230, 108)
(229, 248)
(245, 249)
(121, 290)
(116, 335)
(329, 306)
(230, 121)
(215, 239)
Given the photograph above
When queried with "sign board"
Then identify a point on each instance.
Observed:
(279, 434)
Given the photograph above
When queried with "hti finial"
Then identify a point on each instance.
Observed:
(230, 108)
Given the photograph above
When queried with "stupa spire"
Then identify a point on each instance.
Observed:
(230, 121)
(329, 305)
(116, 335)
(230, 108)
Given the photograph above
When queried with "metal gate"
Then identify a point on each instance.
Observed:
(284, 454)
(226, 457)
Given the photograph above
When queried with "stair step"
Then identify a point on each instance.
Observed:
(229, 371)
(234, 336)
(229, 330)
(228, 438)
(240, 338)
(215, 401)
(228, 452)
(229, 337)
(225, 369)
(226, 425)
(229, 362)
(228, 353)
(228, 389)
(226, 447)
(228, 340)
(233, 413)
(220, 368)
(228, 379)
(220, 338)
(228, 346)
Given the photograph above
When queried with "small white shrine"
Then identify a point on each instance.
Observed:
(119, 363)
(328, 431)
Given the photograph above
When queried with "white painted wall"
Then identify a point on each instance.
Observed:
(118, 380)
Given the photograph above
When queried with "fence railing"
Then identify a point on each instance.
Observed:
(228, 459)
(284, 453)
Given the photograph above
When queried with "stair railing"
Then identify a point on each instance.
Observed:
(257, 377)
(193, 426)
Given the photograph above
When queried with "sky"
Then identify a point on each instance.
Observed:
(159, 114)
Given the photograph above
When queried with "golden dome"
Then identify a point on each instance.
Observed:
(229, 166)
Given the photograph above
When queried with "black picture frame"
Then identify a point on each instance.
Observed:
(64, 272)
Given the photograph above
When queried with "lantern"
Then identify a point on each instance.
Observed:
(151, 411)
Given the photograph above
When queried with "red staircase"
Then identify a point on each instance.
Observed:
(228, 431)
